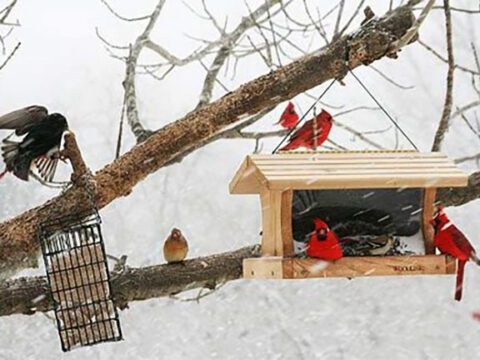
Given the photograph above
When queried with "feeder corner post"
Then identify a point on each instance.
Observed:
(276, 208)
(428, 205)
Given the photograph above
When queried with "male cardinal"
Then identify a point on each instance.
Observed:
(40, 146)
(453, 242)
(289, 118)
(304, 137)
(324, 243)
(175, 248)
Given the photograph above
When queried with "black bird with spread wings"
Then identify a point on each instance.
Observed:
(40, 145)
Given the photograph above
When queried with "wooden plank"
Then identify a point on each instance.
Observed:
(239, 174)
(247, 180)
(370, 266)
(349, 155)
(367, 182)
(276, 203)
(385, 164)
(268, 225)
(427, 214)
(289, 162)
(349, 267)
(286, 224)
(263, 268)
(340, 172)
(451, 265)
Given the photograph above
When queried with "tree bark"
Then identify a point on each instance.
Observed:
(374, 40)
(30, 295)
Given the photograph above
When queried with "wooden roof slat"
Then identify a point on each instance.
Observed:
(334, 162)
(271, 175)
(350, 155)
(348, 170)
(353, 167)
(367, 182)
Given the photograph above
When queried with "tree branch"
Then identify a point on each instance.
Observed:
(18, 243)
(30, 295)
(447, 108)
(129, 82)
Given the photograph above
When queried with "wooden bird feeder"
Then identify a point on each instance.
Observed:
(387, 192)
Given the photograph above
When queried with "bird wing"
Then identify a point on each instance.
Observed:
(46, 166)
(22, 120)
(461, 242)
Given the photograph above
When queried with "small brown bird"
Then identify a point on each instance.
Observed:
(175, 248)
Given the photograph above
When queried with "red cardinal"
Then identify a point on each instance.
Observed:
(305, 135)
(453, 242)
(324, 243)
(289, 118)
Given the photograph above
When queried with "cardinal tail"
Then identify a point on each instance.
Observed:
(2, 174)
(459, 284)
(475, 258)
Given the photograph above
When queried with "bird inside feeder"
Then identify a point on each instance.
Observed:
(367, 213)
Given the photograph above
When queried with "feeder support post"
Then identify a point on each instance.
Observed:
(429, 196)
(277, 222)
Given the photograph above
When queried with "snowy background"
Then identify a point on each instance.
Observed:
(64, 66)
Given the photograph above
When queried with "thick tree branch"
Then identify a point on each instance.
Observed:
(461, 196)
(373, 41)
(30, 295)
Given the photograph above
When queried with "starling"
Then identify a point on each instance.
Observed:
(175, 248)
(40, 145)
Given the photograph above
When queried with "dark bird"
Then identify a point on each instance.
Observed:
(175, 248)
(39, 147)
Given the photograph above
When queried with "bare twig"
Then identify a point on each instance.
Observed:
(129, 82)
(10, 56)
(440, 57)
(390, 80)
(140, 18)
(411, 34)
(475, 157)
(339, 19)
(447, 108)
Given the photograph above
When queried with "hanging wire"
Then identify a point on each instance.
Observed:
(383, 109)
(304, 116)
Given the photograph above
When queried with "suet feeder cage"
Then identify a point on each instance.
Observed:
(77, 272)
(363, 196)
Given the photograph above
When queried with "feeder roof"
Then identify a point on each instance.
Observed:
(346, 170)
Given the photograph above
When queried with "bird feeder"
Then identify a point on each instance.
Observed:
(77, 272)
(386, 193)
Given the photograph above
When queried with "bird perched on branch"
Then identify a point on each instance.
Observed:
(40, 145)
(175, 248)
(323, 242)
(289, 118)
(450, 240)
(311, 134)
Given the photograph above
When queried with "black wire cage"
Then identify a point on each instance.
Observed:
(77, 271)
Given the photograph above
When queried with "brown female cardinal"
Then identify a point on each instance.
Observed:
(449, 240)
(289, 118)
(175, 248)
(304, 137)
(40, 145)
(324, 243)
